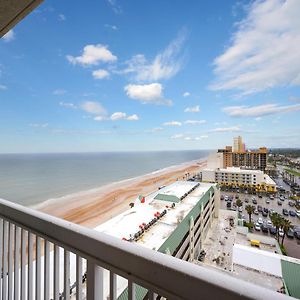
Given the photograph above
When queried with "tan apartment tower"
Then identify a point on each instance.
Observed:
(238, 156)
(238, 144)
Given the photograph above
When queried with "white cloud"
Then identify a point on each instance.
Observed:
(165, 65)
(93, 108)
(37, 125)
(154, 130)
(115, 6)
(68, 105)
(260, 110)
(186, 94)
(118, 116)
(188, 138)
(3, 87)
(177, 136)
(59, 92)
(93, 55)
(264, 52)
(147, 93)
(61, 17)
(133, 117)
(100, 74)
(9, 36)
(100, 118)
(226, 129)
(112, 27)
(172, 123)
(193, 109)
(258, 119)
(195, 122)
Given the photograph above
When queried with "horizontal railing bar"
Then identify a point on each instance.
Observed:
(153, 270)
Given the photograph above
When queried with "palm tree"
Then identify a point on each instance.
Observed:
(277, 221)
(239, 203)
(286, 226)
(250, 210)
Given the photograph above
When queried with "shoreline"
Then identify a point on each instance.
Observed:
(94, 206)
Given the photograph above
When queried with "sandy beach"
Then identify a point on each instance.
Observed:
(93, 207)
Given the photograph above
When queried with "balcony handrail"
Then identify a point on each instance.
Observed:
(160, 273)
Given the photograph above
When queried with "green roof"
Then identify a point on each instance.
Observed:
(291, 275)
(173, 241)
(164, 197)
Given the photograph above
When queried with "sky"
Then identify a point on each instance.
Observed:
(112, 75)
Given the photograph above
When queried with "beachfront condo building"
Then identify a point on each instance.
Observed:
(237, 177)
(239, 156)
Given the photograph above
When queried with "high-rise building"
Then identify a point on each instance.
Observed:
(237, 144)
(237, 156)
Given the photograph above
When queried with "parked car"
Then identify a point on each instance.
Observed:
(266, 209)
(292, 213)
(259, 196)
(291, 203)
(265, 214)
(298, 213)
(272, 230)
(264, 228)
(260, 221)
(281, 232)
(269, 223)
(241, 209)
(259, 208)
(297, 234)
(254, 201)
(228, 204)
(246, 200)
(279, 202)
(222, 197)
(267, 201)
(257, 226)
(285, 211)
(290, 233)
(256, 212)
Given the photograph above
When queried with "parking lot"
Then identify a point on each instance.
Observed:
(292, 245)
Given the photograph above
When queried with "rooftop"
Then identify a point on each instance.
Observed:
(130, 222)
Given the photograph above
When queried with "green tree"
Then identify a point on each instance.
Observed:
(250, 210)
(277, 221)
(286, 226)
(239, 203)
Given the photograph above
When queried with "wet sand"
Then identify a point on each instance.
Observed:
(93, 207)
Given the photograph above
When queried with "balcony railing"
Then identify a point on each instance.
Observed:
(43, 257)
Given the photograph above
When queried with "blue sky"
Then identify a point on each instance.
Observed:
(117, 75)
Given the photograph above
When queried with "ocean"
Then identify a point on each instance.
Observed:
(30, 179)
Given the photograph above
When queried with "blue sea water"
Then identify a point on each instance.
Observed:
(30, 179)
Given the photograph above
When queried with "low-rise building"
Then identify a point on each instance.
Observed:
(238, 177)
(173, 220)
